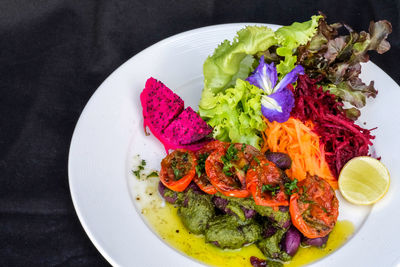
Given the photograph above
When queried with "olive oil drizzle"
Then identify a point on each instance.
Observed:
(167, 224)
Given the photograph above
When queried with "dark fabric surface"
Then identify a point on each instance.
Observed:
(53, 56)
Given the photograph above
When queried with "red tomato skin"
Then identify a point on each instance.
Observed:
(165, 176)
(322, 204)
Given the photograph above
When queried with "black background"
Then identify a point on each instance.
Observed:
(53, 56)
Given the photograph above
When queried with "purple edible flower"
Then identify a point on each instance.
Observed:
(277, 107)
(278, 102)
(264, 77)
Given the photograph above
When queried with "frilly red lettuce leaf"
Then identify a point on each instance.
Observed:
(337, 59)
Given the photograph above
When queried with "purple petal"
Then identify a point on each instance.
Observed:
(289, 78)
(277, 107)
(264, 76)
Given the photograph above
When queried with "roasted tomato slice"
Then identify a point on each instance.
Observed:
(314, 208)
(178, 169)
(226, 169)
(265, 182)
(216, 144)
(201, 178)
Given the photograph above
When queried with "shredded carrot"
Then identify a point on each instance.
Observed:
(297, 139)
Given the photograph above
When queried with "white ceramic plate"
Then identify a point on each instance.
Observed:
(110, 131)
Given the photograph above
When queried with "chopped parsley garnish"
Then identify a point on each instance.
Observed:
(153, 174)
(290, 186)
(177, 173)
(180, 164)
(174, 162)
(257, 160)
(271, 188)
(201, 163)
(185, 157)
(136, 173)
(304, 197)
(243, 147)
(139, 169)
(227, 167)
(230, 155)
(246, 167)
(304, 190)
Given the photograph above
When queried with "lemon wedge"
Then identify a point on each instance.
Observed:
(364, 180)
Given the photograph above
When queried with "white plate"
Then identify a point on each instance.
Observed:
(110, 130)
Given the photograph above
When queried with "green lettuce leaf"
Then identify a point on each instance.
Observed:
(230, 61)
(235, 112)
(237, 117)
(290, 37)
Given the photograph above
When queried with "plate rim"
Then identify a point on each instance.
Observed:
(93, 98)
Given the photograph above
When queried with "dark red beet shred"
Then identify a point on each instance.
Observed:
(340, 136)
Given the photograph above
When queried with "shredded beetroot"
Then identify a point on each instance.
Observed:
(341, 137)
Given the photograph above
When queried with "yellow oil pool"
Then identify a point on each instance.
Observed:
(166, 223)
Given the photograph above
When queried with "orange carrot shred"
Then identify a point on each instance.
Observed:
(302, 145)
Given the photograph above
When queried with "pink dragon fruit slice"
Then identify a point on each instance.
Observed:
(171, 144)
(187, 128)
(160, 106)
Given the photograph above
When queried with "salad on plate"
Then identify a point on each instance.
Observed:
(254, 171)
